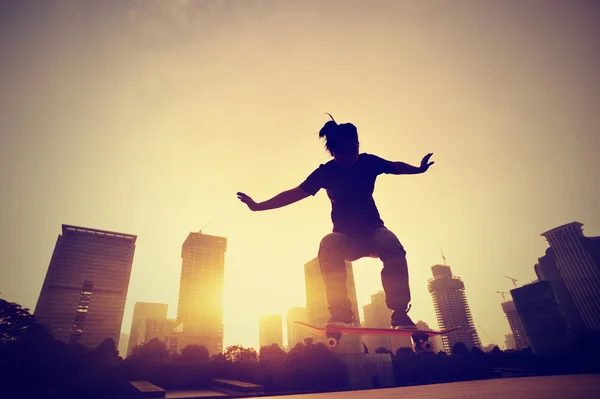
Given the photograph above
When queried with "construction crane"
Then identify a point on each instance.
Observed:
(486, 334)
(502, 293)
(206, 225)
(443, 257)
(514, 280)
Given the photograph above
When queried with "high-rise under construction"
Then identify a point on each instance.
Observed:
(452, 308)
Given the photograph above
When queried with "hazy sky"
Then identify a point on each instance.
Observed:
(146, 117)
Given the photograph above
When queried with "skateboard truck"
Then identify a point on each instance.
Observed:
(422, 343)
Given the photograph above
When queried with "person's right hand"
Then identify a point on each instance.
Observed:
(248, 201)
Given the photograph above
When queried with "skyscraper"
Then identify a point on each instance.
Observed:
(378, 315)
(155, 327)
(123, 344)
(451, 308)
(295, 333)
(547, 270)
(143, 310)
(270, 330)
(509, 341)
(543, 321)
(200, 308)
(83, 296)
(317, 310)
(578, 261)
(514, 321)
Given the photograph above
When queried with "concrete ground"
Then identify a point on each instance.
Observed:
(569, 386)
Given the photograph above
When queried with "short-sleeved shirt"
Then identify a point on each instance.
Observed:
(350, 190)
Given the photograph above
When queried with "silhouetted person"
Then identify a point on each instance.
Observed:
(358, 230)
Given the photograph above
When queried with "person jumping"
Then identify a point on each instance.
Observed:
(358, 230)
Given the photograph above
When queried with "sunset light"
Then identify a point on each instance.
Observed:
(143, 121)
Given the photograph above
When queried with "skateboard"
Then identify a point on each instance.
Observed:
(419, 337)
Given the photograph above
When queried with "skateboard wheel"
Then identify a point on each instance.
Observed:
(332, 342)
(427, 346)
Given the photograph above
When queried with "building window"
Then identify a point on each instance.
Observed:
(82, 309)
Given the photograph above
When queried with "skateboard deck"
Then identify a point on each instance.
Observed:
(334, 334)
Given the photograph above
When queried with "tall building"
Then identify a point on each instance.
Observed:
(200, 308)
(123, 344)
(378, 315)
(547, 270)
(270, 330)
(577, 259)
(317, 310)
(155, 327)
(543, 321)
(83, 296)
(509, 341)
(144, 310)
(295, 333)
(451, 308)
(514, 321)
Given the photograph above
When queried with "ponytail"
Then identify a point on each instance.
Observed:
(335, 134)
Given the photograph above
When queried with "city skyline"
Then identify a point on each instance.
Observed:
(202, 251)
(154, 135)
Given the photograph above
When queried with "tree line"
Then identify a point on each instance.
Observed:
(32, 363)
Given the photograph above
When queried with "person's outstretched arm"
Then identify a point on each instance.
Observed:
(282, 199)
(401, 168)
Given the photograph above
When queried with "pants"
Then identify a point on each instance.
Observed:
(336, 248)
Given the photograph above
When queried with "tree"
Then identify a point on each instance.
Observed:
(107, 349)
(218, 357)
(527, 351)
(16, 322)
(154, 350)
(314, 367)
(460, 349)
(237, 353)
(271, 355)
(475, 351)
(106, 352)
(404, 353)
(194, 353)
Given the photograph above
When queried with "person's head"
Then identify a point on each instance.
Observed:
(341, 141)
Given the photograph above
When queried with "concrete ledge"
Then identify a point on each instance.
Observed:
(145, 389)
(238, 386)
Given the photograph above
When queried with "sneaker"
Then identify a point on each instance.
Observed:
(401, 320)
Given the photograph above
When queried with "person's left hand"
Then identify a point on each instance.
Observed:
(425, 164)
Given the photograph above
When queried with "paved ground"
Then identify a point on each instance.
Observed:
(563, 387)
(194, 393)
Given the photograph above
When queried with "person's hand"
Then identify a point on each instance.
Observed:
(425, 164)
(248, 201)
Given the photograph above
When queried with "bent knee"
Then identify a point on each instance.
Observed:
(332, 240)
